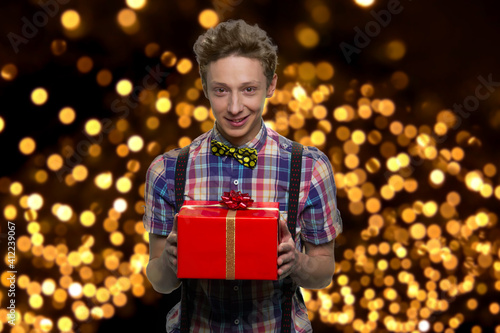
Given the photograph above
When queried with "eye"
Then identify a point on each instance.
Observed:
(250, 89)
(219, 91)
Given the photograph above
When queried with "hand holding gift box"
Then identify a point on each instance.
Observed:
(216, 242)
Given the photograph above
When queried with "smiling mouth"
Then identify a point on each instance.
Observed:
(237, 120)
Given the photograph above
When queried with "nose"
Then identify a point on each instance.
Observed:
(235, 104)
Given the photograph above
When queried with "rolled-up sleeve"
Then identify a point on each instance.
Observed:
(159, 210)
(320, 220)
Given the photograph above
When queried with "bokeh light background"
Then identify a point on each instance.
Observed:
(92, 91)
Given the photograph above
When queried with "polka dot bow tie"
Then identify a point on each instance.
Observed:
(245, 156)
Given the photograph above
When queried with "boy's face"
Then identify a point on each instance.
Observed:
(236, 88)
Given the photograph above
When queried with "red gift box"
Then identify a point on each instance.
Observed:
(214, 242)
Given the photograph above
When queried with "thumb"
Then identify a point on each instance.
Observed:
(174, 227)
(284, 232)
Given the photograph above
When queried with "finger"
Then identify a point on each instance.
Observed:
(174, 227)
(287, 254)
(284, 270)
(287, 246)
(284, 232)
(172, 239)
(172, 252)
(285, 258)
(283, 248)
(173, 265)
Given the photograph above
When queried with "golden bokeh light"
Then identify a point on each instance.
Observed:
(93, 127)
(324, 71)
(168, 59)
(395, 50)
(208, 18)
(84, 64)
(307, 36)
(35, 201)
(163, 105)
(104, 180)
(135, 143)
(437, 177)
(126, 18)
(364, 3)
(39, 96)
(104, 77)
(152, 50)
(321, 13)
(474, 180)
(200, 113)
(123, 185)
(184, 65)
(46, 325)
(400, 80)
(9, 72)
(64, 212)
(80, 173)
(70, 19)
(307, 72)
(136, 4)
(58, 47)
(124, 87)
(67, 115)
(87, 218)
(27, 146)
(120, 205)
(64, 324)
(16, 188)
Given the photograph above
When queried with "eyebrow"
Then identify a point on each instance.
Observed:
(241, 85)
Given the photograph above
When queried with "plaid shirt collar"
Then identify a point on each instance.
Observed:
(258, 142)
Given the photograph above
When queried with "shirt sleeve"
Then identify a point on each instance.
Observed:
(320, 220)
(158, 193)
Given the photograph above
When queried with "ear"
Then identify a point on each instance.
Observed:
(272, 86)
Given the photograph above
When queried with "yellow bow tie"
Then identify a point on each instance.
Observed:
(246, 156)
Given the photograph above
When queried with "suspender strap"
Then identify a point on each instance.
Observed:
(293, 195)
(180, 177)
(180, 185)
(293, 205)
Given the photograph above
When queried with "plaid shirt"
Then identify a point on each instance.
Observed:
(244, 305)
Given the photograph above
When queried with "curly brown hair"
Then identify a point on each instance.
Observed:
(236, 37)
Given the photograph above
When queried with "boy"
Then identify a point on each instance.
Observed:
(237, 67)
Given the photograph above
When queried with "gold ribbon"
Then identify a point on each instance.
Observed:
(230, 240)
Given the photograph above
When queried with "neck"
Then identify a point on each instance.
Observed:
(235, 142)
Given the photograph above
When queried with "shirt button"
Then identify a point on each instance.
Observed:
(235, 288)
(236, 321)
(236, 182)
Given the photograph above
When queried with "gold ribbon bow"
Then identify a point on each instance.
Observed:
(245, 156)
